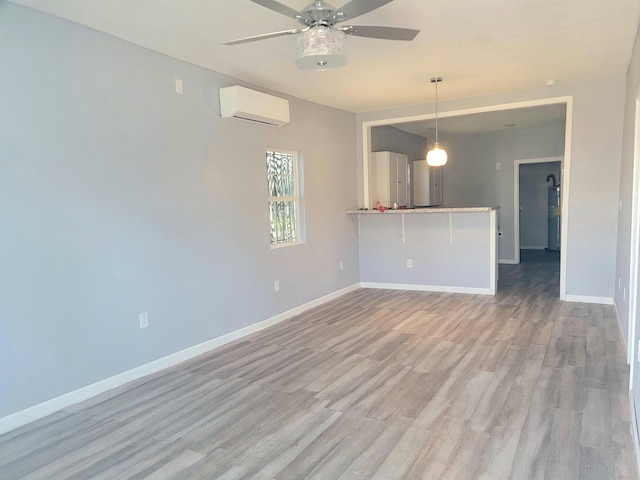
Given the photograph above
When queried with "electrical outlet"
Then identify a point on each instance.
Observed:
(179, 88)
(409, 263)
(143, 318)
(498, 166)
(341, 265)
(276, 285)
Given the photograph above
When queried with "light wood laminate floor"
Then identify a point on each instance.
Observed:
(377, 384)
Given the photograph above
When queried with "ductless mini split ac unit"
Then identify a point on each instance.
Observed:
(246, 104)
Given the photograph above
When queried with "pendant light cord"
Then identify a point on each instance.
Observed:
(436, 110)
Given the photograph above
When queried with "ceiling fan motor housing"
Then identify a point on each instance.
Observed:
(319, 13)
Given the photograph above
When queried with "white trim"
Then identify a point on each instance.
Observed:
(516, 200)
(428, 288)
(615, 308)
(566, 184)
(508, 261)
(43, 409)
(634, 428)
(589, 299)
(275, 246)
(493, 252)
(634, 249)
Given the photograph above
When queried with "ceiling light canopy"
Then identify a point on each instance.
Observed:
(436, 157)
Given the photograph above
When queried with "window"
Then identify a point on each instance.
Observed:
(285, 208)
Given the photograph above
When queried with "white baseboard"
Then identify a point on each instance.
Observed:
(634, 428)
(622, 333)
(508, 261)
(427, 288)
(41, 410)
(589, 299)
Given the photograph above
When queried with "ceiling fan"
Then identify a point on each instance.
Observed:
(321, 43)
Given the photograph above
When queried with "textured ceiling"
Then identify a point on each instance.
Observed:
(480, 47)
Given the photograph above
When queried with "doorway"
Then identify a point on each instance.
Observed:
(537, 254)
(538, 208)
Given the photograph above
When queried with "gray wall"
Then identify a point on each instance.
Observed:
(534, 202)
(118, 196)
(627, 171)
(394, 140)
(596, 142)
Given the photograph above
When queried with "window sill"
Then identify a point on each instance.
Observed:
(275, 246)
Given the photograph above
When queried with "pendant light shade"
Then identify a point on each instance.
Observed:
(436, 157)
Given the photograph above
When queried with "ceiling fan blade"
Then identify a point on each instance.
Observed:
(264, 36)
(278, 7)
(387, 33)
(356, 8)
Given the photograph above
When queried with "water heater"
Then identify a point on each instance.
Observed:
(554, 206)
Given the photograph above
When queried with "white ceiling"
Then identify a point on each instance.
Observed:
(541, 116)
(480, 47)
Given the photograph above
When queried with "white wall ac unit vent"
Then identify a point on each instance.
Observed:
(246, 104)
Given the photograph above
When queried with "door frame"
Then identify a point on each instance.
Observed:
(634, 259)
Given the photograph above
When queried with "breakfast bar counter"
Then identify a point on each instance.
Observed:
(423, 210)
(442, 249)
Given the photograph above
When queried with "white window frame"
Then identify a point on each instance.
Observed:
(296, 198)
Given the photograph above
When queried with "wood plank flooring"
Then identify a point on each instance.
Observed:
(377, 384)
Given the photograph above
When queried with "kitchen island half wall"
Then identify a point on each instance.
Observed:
(432, 249)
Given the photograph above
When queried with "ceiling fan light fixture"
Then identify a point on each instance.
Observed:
(321, 48)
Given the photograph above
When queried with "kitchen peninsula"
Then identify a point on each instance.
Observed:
(438, 249)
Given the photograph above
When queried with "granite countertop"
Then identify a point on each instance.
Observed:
(427, 210)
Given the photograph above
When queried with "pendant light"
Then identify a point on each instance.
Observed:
(436, 157)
